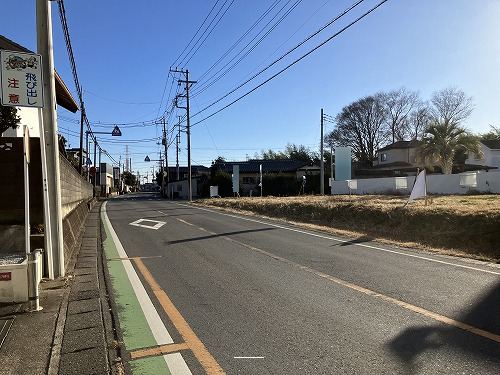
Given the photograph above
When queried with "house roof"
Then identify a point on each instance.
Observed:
(401, 145)
(63, 96)
(194, 169)
(492, 144)
(268, 166)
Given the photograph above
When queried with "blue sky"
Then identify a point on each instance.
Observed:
(124, 49)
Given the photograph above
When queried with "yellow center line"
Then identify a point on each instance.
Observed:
(405, 305)
(159, 350)
(192, 341)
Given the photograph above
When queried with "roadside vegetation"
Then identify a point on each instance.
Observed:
(466, 225)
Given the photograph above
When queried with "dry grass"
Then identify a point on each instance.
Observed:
(459, 225)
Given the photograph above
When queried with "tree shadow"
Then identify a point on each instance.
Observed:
(479, 335)
(217, 235)
(354, 241)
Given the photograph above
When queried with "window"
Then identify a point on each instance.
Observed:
(383, 157)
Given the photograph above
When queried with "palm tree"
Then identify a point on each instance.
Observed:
(442, 140)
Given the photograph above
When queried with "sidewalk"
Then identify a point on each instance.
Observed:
(73, 334)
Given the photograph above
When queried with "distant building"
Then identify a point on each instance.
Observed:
(250, 170)
(399, 158)
(491, 155)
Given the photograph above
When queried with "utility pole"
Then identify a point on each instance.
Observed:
(177, 141)
(100, 170)
(321, 162)
(54, 217)
(82, 119)
(188, 127)
(95, 168)
(165, 143)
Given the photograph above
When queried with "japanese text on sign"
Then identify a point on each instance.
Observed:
(21, 79)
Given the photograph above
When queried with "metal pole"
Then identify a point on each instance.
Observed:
(33, 279)
(321, 162)
(26, 162)
(44, 43)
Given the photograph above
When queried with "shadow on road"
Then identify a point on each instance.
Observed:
(355, 241)
(217, 235)
(484, 315)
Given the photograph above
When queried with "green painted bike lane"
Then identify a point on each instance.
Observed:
(136, 332)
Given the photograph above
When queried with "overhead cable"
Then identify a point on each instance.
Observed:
(290, 65)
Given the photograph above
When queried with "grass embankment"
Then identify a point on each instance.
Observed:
(458, 225)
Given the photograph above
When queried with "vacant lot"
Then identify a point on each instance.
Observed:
(460, 225)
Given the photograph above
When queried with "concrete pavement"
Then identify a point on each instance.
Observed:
(73, 333)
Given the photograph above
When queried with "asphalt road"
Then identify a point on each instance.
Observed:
(265, 297)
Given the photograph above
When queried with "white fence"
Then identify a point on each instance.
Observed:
(463, 183)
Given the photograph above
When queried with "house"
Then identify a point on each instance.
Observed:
(399, 158)
(250, 170)
(29, 116)
(196, 171)
(491, 155)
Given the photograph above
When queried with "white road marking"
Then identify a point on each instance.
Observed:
(174, 361)
(346, 241)
(157, 224)
(249, 357)
(176, 364)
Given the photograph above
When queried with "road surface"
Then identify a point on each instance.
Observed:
(202, 291)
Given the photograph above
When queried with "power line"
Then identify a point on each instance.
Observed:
(210, 32)
(194, 36)
(252, 48)
(282, 57)
(288, 66)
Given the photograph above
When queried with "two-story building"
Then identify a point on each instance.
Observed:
(491, 154)
(399, 158)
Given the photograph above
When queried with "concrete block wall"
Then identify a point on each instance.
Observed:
(74, 188)
(487, 182)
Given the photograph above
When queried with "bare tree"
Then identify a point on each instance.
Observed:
(451, 104)
(399, 104)
(362, 125)
(419, 119)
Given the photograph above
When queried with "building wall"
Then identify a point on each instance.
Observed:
(12, 186)
(487, 182)
(179, 189)
(490, 157)
(29, 116)
(74, 188)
